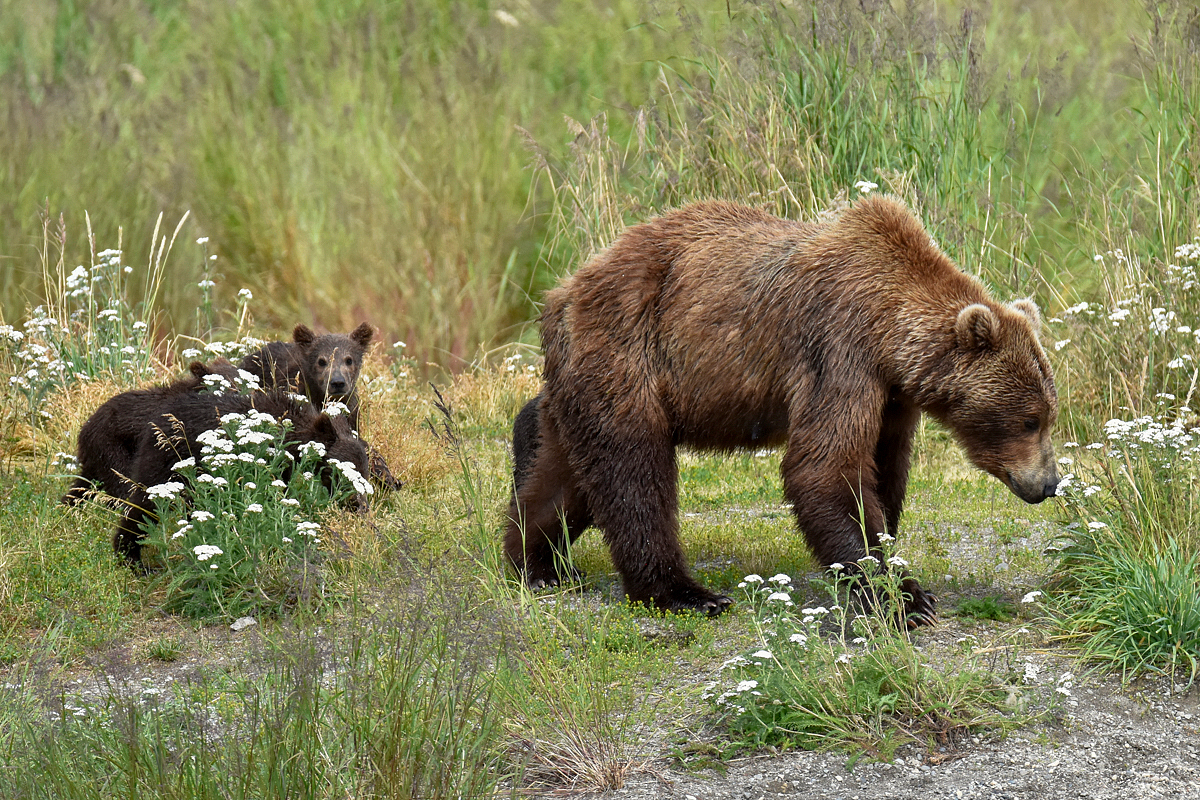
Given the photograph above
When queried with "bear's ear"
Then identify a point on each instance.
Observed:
(303, 335)
(1030, 310)
(199, 369)
(363, 334)
(324, 430)
(976, 328)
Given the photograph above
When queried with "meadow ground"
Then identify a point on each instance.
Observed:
(572, 691)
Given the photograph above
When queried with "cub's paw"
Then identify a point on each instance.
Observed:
(551, 580)
(379, 473)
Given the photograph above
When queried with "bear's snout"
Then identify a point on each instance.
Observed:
(1034, 486)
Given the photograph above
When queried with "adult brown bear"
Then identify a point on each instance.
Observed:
(719, 326)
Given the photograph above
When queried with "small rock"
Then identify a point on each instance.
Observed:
(243, 623)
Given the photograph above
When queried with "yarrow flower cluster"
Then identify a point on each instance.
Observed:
(91, 331)
(252, 503)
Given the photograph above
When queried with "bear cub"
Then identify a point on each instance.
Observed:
(320, 367)
(108, 439)
(170, 436)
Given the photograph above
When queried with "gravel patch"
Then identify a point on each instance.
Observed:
(1105, 742)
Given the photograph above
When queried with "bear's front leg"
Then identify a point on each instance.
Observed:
(841, 515)
(127, 538)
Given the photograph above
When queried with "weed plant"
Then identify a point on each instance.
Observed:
(827, 678)
(1128, 566)
(91, 326)
(395, 707)
(236, 538)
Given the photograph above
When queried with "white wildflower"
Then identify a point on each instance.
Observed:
(206, 551)
(165, 490)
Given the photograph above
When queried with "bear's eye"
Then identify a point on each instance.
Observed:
(321, 362)
(349, 361)
(1032, 424)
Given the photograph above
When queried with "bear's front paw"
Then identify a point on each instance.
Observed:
(695, 599)
(918, 604)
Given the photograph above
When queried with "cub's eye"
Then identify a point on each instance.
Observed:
(321, 362)
(1032, 424)
(349, 361)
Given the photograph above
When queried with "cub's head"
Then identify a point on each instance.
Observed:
(331, 363)
(1003, 403)
(341, 445)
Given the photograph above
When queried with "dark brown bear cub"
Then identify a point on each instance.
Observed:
(719, 326)
(320, 367)
(170, 436)
(108, 440)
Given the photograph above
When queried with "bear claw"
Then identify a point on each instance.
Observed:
(709, 604)
(573, 577)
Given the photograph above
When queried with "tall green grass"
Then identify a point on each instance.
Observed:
(347, 160)
(400, 706)
(366, 159)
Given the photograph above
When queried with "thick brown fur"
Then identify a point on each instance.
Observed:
(169, 436)
(719, 326)
(108, 439)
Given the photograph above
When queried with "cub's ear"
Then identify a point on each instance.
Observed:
(303, 335)
(199, 369)
(363, 334)
(324, 430)
(1030, 310)
(976, 328)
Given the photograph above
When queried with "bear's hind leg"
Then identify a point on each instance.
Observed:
(547, 500)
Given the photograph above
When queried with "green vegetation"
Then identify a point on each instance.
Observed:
(433, 166)
(236, 539)
(826, 678)
(989, 608)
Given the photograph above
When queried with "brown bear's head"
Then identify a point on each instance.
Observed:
(1005, 403)
(331, 363)
(341, 444)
